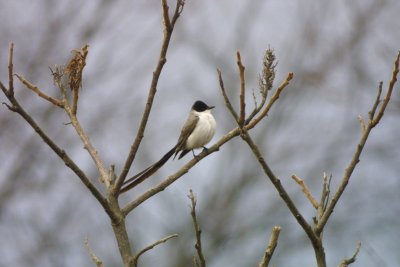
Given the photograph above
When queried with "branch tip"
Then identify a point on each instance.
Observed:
(151, 246)
(272, 243)
(305, 190)
(93, 256)
(347, 262)
(166, 20)
(39, 92)
(226, 98)
(242, 109)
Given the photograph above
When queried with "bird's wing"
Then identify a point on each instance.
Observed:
(187, 129)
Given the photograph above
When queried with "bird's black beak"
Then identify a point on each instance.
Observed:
(211, 107)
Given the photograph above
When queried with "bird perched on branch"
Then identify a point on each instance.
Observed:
(197, 131)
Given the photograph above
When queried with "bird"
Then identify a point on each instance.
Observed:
(198, 130)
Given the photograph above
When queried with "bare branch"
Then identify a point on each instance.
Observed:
(347, 262)
(362, 123)
(149, 247)
(242, 108)
(197, 229)
(326, 189)
(315, 240)
(372, 122)
(227, 101)
(272, 100)
(166, 20)
(277, 183)
(93, 256)
(152, 91)
(104, 178)
(4, 89)
(389, 90)
(172, 178)
(10, 69)
(371, 113)
(272, 243)
(16, 107)
(63, 155)
(305, 190)
(74, 72)
(178, 10)
(39, 92)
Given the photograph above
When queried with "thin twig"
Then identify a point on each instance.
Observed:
(347, 262)
(4, 89)
(324, 196)
(372, 122)
(166, 20)
(10, 69)
(152, 91)
(87, 144)
(151, 246)
(362, 123)
(39, 92)
(178, 11)
(227, 101)
(272, 243)
(197, 229)
(93, 256)
(272, 100)
(305, 190)
(393, 81)
(371, 113)
(74, 72)
(242, 108)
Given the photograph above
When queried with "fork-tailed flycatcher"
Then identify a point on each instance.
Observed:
(197, 131)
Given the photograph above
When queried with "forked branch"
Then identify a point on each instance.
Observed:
(374, 119)
(16, 107)
(168, 29)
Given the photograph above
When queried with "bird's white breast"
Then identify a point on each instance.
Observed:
(204, 131)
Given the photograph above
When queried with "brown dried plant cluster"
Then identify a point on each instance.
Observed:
(74, 69)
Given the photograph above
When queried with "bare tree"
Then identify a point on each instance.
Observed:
(109, 201)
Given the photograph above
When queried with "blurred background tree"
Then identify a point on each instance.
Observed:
(339, 52)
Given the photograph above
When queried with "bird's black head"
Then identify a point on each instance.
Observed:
(200, 106)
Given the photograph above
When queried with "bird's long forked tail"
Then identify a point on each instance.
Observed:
(143, 175)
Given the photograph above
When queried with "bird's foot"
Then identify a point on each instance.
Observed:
(194, 155)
